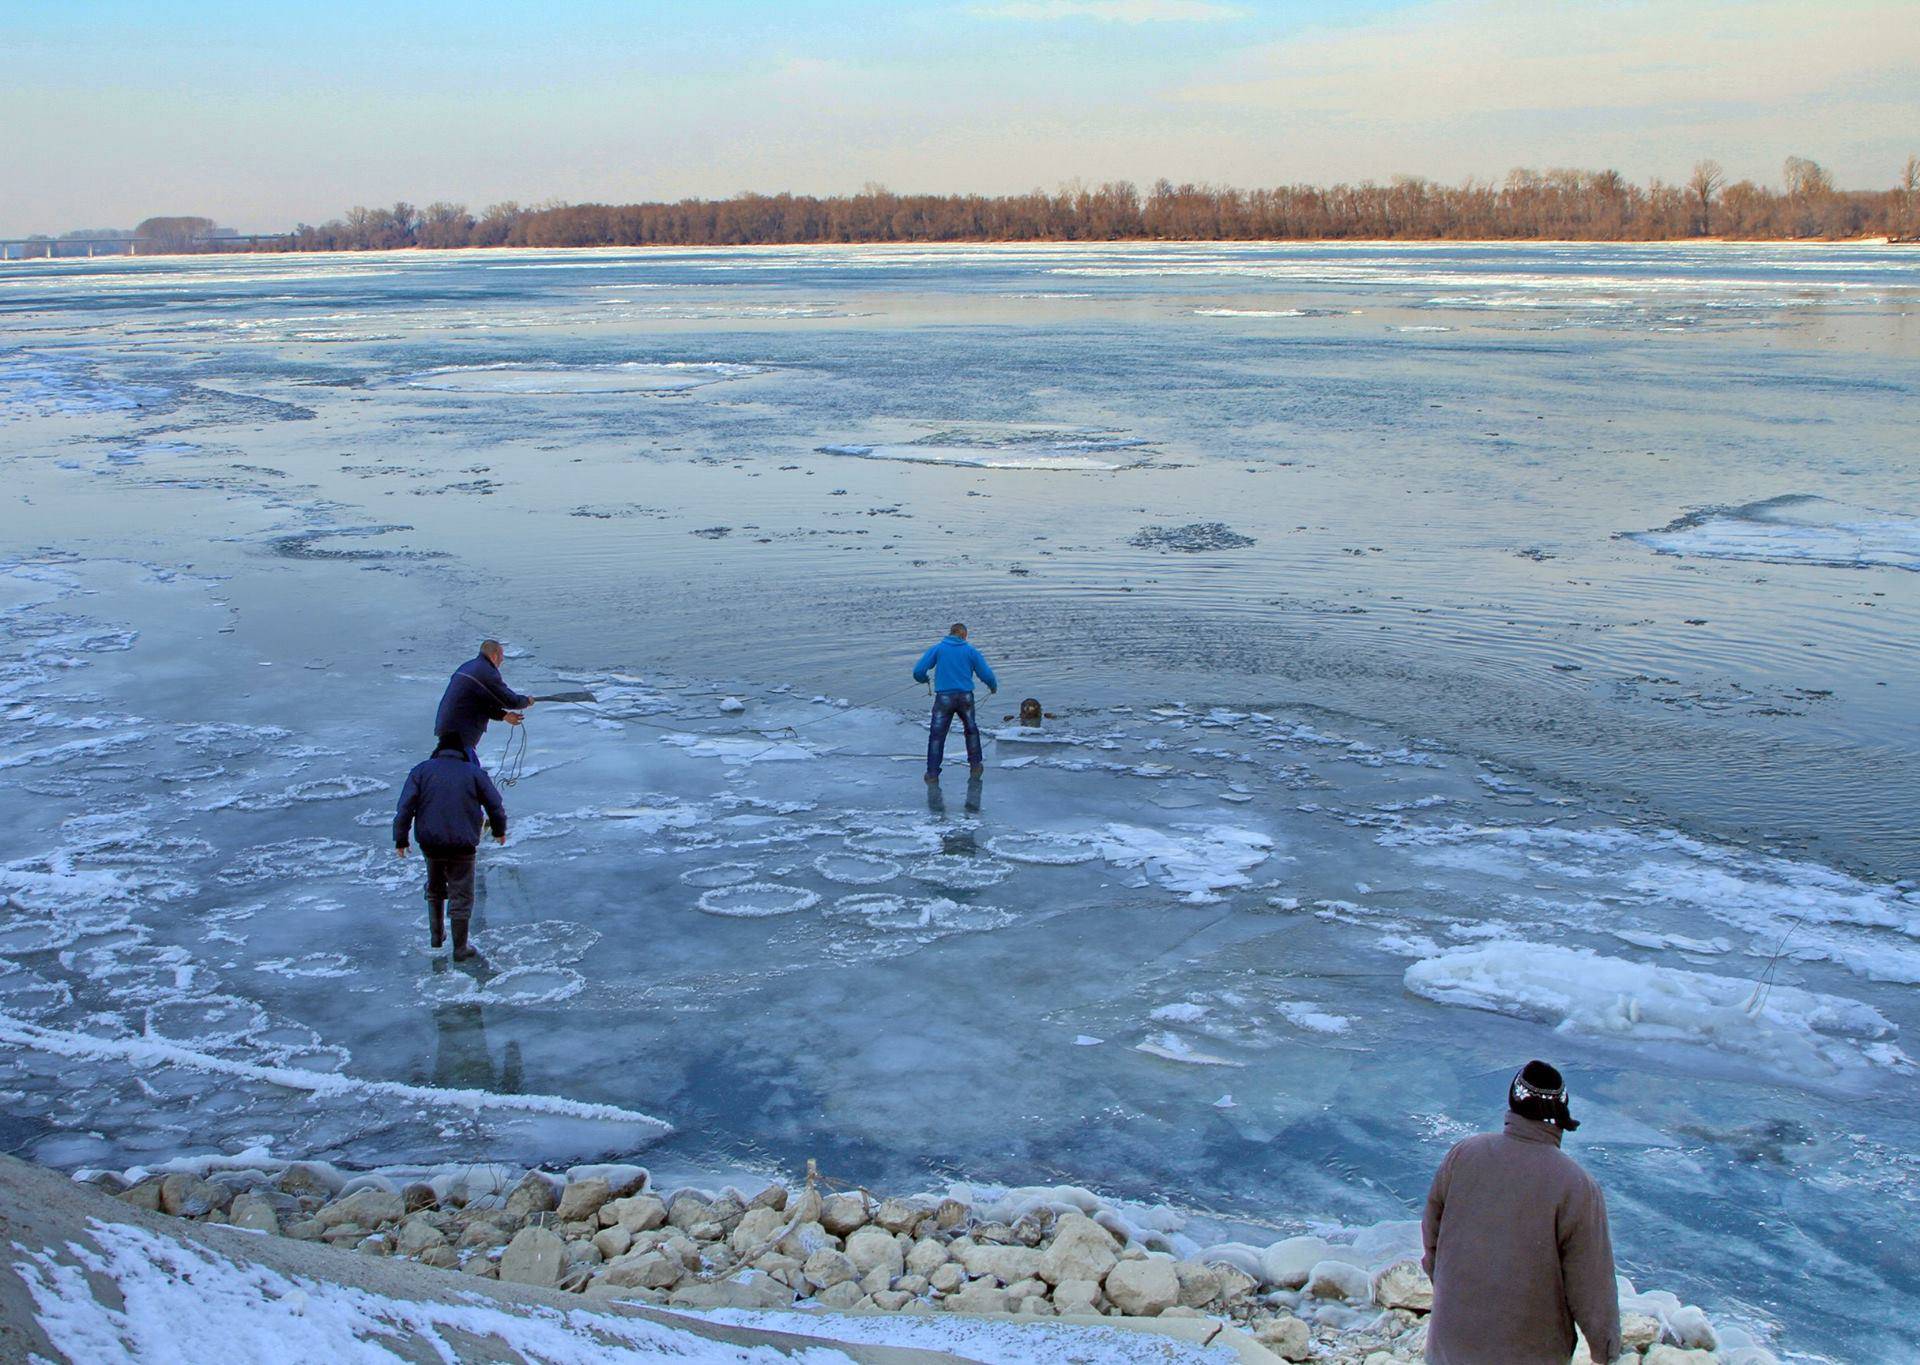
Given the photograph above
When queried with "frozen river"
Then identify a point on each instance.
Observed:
(1458, 655)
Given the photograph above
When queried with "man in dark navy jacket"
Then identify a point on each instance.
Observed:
(476, 694)
(447, 801)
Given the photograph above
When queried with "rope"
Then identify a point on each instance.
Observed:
(514, 761)
(1763, 984)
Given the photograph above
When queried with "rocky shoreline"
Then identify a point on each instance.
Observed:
(606, 1232)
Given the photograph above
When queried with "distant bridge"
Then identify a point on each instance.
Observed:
(61, 248)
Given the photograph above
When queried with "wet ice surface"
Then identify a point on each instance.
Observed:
(1207, 936)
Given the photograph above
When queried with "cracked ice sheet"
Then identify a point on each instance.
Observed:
(181, 1301)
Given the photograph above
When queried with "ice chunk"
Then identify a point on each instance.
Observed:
(1795, 529)
(757, 900)
(1574, 989)
(1198, 861)
(631, 376)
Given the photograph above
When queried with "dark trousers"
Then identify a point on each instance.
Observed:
(947, 705)
(450, 880)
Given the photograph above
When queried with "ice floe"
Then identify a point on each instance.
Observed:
(1794, 529)
(634, 376)
(1576, 990)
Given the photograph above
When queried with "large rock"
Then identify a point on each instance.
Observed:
(418, 1197)
(583, 1199)
(950, 1214)
(306, 1178)
(840, 1297)
(928, 1255)
(806, 1206)
(534, 1256)
(749, 1289)
(1404, 1285)
(947, 1279)
(637, 1213)
(369, 1207)
(1339, 1280)
(255, 1212)
(643, 1270)
(772, 1197)
(755, 1229)
(188, 1196)
(1004, 1263)
(1638, 1330)
(1144, 1288)
(613, 1242)
(534, 1194)
(416, 1235)
(841, 1214)
(1287, 1337)
(686, 1209)
(1076, 1297)
(874, 1248)
(898, 1215)
(1287, 1263)
(1081, 1250)
(827, 1267)
(804, 1240)
(978, 1296)
(1199, 1284)
(143, 1195)
(1235, 1284)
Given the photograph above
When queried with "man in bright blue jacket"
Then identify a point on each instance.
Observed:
(954, 665)
(476, 694)
(447, 801)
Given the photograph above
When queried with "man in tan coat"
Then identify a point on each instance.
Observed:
(1517, 1242)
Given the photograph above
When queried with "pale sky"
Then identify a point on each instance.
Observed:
(261, 115)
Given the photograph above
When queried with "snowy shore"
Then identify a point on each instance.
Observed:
(773, 1257)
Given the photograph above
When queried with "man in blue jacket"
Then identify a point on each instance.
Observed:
(476, 694)
(954, 665)
(446, 801)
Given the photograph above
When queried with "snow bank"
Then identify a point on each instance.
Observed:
(180, 1301)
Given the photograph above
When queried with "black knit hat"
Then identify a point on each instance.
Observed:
(1539, 1092)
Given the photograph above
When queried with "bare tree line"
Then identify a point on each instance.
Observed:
(1527, 205)
(1558, 204)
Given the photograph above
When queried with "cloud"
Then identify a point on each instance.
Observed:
(1113, 11)
(1443, 61)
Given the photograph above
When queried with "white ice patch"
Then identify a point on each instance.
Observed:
(541, 380)
(1067, 458)
(720, 874)
(1197, 861)
(518, 986)
(148, 1053)
(856, 869)
(730, 749)
(1796, 529)
(1046, 850)
(961, 872)
(757, 900)
(1172, 1047)
(1575, 990)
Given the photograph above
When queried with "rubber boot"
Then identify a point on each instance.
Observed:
(462, 951)
(437, 923)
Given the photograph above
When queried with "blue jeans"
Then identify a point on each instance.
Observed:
(947, 705)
